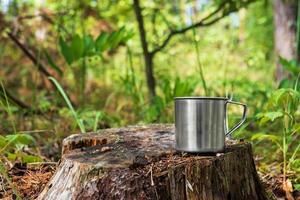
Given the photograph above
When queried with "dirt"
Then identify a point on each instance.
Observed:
(275, 185)
(29, 180)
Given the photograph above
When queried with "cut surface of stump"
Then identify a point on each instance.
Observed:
(140, 162)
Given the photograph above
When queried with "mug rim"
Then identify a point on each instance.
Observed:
(199, 98)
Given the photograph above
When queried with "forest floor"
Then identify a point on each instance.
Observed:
(28, 180)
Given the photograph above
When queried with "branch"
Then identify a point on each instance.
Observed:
(201, 23)
(13, 99)
(19, 103)
(40, 66)
(27, 52)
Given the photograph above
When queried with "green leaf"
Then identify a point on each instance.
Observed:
(2, 141)
(66, 51)
(183, 88)
(285, 83)
(110, 41)
(283, 96)
(52, 63)
(77, 47)
(128, 35)
(30, 159)
(296, 128)
(97, 117)
(113, 39)
(270, 137)
(159, 103)
(89, 45)
(10, 139)
(290, 66)
(117, 37)
(270, 116)
(167, 90)
(277, 95)
(296, 186)
(263, 136)
(11, 156)
(101, 42)
(25, 139)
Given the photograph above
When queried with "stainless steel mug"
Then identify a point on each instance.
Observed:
(201, 123)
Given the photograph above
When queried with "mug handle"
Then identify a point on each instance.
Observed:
(243, 117)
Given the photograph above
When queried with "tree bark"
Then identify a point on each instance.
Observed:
(285, 17)
(148, 58)
(140, 163)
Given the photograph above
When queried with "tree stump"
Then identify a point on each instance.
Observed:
(140, 162)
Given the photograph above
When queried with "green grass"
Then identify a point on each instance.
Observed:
(69, 104)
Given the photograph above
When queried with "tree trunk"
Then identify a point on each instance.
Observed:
(148, 57)
(285, 17)
(140, 163)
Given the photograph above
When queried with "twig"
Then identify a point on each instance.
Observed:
(37, 131)
(151, 175)
(43, 163)
(19, 103)
(183, 30)
(202, 23)
(16, 101)
(27, 52)
(31, 56)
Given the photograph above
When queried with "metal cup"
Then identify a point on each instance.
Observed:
(201, 123)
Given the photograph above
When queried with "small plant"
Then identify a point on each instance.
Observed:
(12, 145)
(3, 172)
(132, 84)
(79, 48)
(282, 116)
(92, 118)
(160, 109)
(292, 67)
